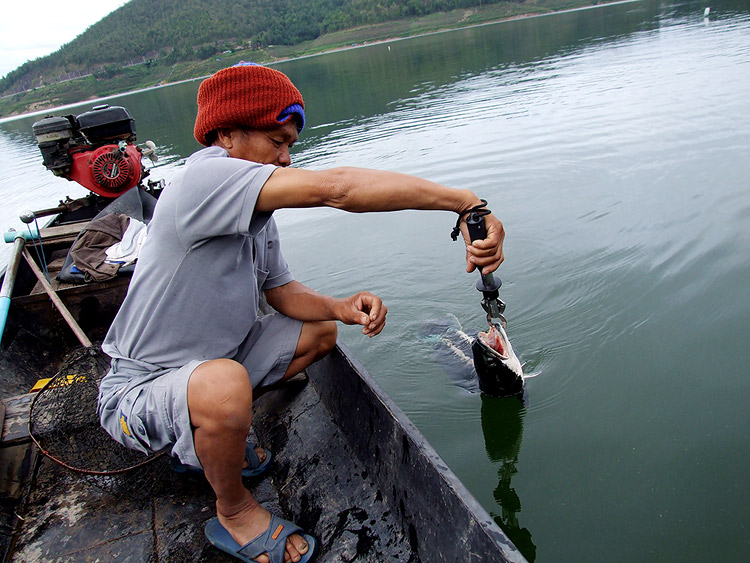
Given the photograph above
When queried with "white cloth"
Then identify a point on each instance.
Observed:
(127, 250)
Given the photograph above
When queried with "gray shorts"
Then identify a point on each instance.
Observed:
(145, 408)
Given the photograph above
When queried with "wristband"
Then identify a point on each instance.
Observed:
(480, 210)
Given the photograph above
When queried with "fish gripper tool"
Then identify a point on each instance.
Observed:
(487, 284)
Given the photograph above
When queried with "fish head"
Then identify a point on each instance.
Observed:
(499, 370)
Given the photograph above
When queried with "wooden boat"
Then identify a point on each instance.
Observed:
(349, 466)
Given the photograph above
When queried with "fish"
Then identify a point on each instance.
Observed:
(499, 370)
(483, 363)
(453, 350)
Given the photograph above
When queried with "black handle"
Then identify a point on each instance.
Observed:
(475, 223)
(478, 231)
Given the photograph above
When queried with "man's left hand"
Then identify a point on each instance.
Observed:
(364, 309)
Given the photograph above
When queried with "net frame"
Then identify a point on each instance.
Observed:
(64, 425)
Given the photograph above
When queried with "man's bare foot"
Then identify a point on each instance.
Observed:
(253, 520)
(260, 452)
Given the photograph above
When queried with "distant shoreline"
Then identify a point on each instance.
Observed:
(447, 30)
(324, 51)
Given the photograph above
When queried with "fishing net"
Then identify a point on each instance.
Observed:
(64, 425)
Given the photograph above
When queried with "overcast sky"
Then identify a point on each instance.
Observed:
(34, 28)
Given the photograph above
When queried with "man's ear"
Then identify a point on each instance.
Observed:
(225, 138)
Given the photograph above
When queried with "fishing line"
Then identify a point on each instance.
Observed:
(27, 218)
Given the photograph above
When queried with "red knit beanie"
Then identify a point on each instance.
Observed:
(247, 95)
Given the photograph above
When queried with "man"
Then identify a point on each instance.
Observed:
(188, 346)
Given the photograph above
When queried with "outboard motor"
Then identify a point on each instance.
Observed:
(96, 149)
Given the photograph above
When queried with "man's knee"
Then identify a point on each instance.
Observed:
(220, 391)
(324, 337)
(330, 333)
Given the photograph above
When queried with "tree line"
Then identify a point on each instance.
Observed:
(173, 31)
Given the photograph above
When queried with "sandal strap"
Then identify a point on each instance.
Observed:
(251, 455)
(272, 541)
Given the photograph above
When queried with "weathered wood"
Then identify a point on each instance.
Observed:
(438, 515)
(62, 233)
(72, 323)
(16, 425)
(53, 268)
(93, 305)
(2, 415)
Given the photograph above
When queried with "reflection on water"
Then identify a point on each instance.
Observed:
(502, 427)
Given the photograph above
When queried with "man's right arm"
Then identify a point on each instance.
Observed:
(360, 190)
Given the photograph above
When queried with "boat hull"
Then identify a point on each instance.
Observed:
(349, 466)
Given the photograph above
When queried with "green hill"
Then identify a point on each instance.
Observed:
(145, 43)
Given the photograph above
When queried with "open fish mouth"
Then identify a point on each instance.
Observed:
(496, 341)
(499, 370)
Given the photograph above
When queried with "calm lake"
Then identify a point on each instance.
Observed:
(614, 143)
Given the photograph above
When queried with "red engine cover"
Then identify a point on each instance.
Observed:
(107, 171)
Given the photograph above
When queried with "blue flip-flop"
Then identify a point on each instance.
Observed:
(272, 541)
(254, 466)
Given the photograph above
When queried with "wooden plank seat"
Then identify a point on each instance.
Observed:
(62, 234)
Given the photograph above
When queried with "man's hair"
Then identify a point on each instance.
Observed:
(211, 137)
(247, 96)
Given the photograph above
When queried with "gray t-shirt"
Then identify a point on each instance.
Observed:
(207, 255)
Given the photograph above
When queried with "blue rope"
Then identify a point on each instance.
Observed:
(39, 249)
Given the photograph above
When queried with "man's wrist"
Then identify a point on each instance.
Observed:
(469, 201)
(479, 208)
